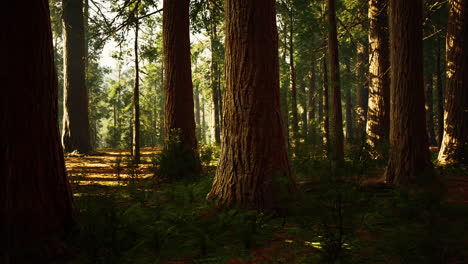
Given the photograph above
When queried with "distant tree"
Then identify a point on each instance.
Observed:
(454, 147)
(428, 87)
(178, 87)
(336, 116)
(409, 150)
(35, 197)
(253, 170)
(378, 115)
(76, 132)
(326, 107)
(136, 93)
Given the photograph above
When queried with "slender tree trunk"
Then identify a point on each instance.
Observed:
(76, 131)
(197, 112)
(304, 103)
(454, 147)
(215, 83)
(336, 116)
(378, 115)
(311, 98)
(440, 99)
(179, 110)
(326, 108)
(429, 110)
(409, 151)
(253, 170)
(292, 82)
(136, 98)
(362, 91)
(349, 108)
(36, 204)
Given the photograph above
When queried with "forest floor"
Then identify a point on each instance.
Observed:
(128, 217)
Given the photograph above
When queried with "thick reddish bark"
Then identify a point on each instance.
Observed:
(253, 170)
(336, 116)
(454, 147)
(378, 114)
(179, 110)
(409, 151)
(76, 131)
(35, 198)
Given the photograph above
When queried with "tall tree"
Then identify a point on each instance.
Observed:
(326, 107)
(136, 94)
(429, 109)
(253, 170)
(179, 105)
(378, 115)
(454, 147)
(76, 133)
(336, 116)
(35, 197)
(292, 78)
(214, 80)
(409, 150)
(440, 97)
(362, 91)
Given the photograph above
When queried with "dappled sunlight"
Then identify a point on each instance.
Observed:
(110, 167)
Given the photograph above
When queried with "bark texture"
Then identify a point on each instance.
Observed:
(76, 131)
(253, 170)
(409, 151)
(336, 115)
(378, 115)
(454, 148)
(179, 105)
(35, 198)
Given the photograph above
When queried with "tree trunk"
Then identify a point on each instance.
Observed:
(440, 99)
(409, 151)
(215, 83)
(336, 116)
(429, 110)
(197, 112)
(326, 108)
(36, 204)
(304, 103)
(179, 110)
(253, 170)
(378, 115)
(76, 131)
(349, 107)
(292, 82)
(454, 147)
(136, 98)
(362, 91)
(311, 98)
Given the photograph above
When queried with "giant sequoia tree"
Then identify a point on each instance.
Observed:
(75, 134)
(253, 170)
(179, 111)
(455, 140)
(378, 116)
(409, 150)
(35, 199)
(336, 116)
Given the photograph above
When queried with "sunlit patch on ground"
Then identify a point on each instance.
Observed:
(110, 167)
